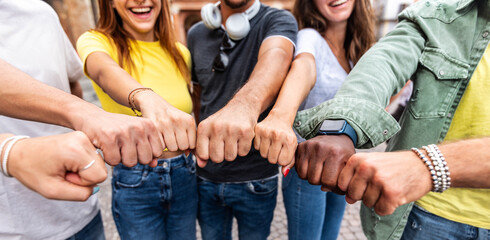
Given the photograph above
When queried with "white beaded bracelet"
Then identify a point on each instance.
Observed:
(7, 151)
(439, 171)
(428, 163)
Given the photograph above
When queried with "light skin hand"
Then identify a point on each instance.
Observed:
(177, 127)
(274, 137)
(52, 166)
(123, 139)
(225, 134)
(276, 141)
(385, 181)
(321, 159)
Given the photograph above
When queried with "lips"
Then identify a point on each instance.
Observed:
(337, 3)
(141, 10)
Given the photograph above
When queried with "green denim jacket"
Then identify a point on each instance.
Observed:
(437, 44)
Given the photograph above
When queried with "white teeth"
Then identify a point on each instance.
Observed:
(140, 10)
(338, 2)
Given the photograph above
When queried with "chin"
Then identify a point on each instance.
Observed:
(235, 4)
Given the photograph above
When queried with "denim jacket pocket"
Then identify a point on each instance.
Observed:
(436, 83)
(130, 177)
(264, 186)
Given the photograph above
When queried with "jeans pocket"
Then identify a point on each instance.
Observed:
(264, 186)
(129, 177)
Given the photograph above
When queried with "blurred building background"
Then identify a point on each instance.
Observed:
(78, 16)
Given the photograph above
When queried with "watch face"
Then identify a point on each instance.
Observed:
(332, 125)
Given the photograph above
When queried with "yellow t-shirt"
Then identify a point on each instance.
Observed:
(471, 120)
(154, 68)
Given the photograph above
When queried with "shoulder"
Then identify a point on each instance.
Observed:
(445, 11)
(274, 14)
(94, 37)
(196, 30)
(183, 49)
(309, 33)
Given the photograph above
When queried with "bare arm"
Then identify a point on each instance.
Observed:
(76, 89)
(388, 180)
(274, 136)
(230, 131)
(26, 98)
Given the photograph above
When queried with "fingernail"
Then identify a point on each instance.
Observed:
(96, 190)
(286, 171)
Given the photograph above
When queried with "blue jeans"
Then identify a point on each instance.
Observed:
(425, 225)
(252, 203)
(156, 203)
(312, 214)
(94, 230)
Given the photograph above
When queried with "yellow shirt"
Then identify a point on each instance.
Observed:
(471, 120)
(154, 68)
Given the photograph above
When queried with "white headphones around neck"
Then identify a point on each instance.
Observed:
(237, 25)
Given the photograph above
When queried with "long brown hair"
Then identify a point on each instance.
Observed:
(111, 24)
(360, 25)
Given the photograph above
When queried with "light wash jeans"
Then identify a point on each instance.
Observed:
(156, 203)
(252, 203)
(424, 225)
(312, 214)
(94, 230)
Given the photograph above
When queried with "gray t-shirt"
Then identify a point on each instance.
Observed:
(329, 73)
(33, 41)
(217, 87)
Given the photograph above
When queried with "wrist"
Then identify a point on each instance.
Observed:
(338, 127)
(282, 115)
(136, 98)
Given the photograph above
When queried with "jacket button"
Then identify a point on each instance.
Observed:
(485, 34)
(442, 73)
(297, 124)
(385, 132)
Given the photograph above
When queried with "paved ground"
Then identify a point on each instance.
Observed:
(350, 228)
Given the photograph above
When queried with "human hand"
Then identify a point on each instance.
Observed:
(225, 134)
(123, 139)
(385, 181)
(321, 159)
(177, 127)
(52, 166)
(276, 141)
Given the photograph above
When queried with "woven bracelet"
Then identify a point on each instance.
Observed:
(131, 99)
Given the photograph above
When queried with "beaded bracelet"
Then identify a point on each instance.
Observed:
(442, 166)
(441, 180)
(435, 184)
(7, 152)
(131, 98)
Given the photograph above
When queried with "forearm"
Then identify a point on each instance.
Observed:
(468, 162)
(265, 81)
(76, 89)
(26, 98)
(114, 80)
(296, 87)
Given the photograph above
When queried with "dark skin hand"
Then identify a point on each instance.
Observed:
(321, 159)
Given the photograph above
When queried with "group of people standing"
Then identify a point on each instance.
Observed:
(215, 120)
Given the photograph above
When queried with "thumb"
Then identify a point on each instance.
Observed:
(91, 170)
(65, 190)
(285, 169)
